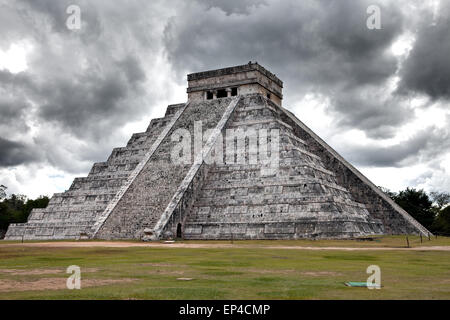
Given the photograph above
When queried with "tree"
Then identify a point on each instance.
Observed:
(442, 223)
(6, 216)
(388, 192)
(40, 202)
(418, 204)
(17, 208)
(441, 199)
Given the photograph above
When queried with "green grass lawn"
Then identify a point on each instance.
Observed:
(229, 273)
(377, 241)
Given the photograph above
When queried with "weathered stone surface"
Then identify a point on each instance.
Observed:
(74, 212)
(394, 218)
(149, 195)
(139, 193)
(302, 200)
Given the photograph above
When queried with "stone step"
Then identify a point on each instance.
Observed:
(254, 107)
(88, 208)
(290, 181)
(288, 199)
(76, 205)
(254, 114)
(237, 172)
(126, 153)
(138, 139)
(100, 195)
(300, 168)
(116, 171)
(158, 124)
(97, 182)
(173, 108)
(260, 124)
(305, 228)
(30, 231)
(300, 186)
(292, 138)
(261, 217)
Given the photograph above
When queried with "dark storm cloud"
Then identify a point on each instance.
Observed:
(16, 84)
(313, 46)
(12, 114)
(13, 153)
(78, 83)
(10, 110)
(56, 15)
(81, 88)
(309, 43)
(427, 69)
(425, 145)
(82, 103)
(378, 116)
(85, 103)
(242, 6)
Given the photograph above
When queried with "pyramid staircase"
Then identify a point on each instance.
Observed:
(151, 192)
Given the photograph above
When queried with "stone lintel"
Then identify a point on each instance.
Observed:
(229, 85)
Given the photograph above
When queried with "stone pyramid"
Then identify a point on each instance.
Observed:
(140, 192)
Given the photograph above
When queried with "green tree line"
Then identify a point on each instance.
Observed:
(17, 208)
(432, 209)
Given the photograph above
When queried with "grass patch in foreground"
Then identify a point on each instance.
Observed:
(377, 241)
(229, 273)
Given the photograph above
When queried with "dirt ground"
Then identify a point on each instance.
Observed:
(7, 285)
(122, 244)
(27, 272)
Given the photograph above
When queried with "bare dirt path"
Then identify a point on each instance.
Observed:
(123, 244)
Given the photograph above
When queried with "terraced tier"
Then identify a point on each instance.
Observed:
(73, 212)
(302, 199)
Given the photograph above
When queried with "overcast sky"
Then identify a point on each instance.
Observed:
(380, 97)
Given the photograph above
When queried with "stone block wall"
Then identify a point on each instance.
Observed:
(302, 200)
